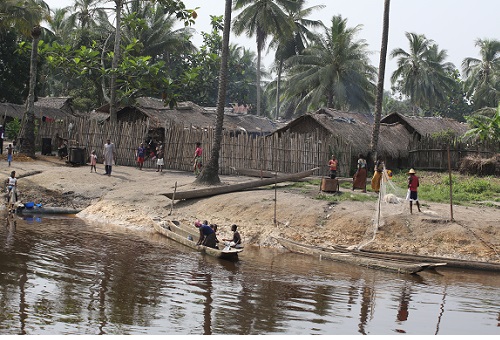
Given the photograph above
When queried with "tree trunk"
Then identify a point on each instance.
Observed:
(259, 56)
(278, 85)
(27, 146)
(114, 63)
(380, 84)
(210, 173)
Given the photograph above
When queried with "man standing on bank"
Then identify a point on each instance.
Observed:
(109, 156)
(413, 184)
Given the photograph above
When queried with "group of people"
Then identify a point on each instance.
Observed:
(359, 178)
(208, 235)
(157, 155)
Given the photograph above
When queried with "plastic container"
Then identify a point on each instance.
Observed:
(29, 205)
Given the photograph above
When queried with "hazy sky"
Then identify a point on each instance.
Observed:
(453, 24)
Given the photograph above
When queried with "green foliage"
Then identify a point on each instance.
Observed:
(435, 187)
(14, 69)
(12, 129)
(484, 127)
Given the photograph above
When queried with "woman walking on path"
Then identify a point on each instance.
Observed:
(359, 179)
(377, 175)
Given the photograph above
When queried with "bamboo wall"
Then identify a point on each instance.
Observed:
(432, 153)
(287, 153)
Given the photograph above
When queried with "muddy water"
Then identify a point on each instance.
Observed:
(63, 276)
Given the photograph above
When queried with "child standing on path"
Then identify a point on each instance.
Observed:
(140, 155)
(93, 161)
(159, 159)
(413, 184)
(10, 150)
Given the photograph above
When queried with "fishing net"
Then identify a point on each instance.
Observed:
(391, 201)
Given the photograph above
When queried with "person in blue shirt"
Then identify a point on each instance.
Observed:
(207, 236)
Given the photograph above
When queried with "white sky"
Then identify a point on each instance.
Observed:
(453, 24)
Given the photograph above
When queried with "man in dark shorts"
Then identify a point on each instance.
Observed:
(413, 190)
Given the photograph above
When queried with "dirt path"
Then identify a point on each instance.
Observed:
(131, 197)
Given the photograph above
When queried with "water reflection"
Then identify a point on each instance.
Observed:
(62, 276)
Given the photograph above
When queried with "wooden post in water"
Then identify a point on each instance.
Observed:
(451, 186)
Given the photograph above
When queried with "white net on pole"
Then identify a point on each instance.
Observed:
(391, 201)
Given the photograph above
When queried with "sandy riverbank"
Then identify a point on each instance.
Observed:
(131, 198)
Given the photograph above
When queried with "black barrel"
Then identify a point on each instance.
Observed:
(76, 156)
(46, 146)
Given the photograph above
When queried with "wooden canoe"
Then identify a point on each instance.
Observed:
(48, 211)
(256, 173)
(224, 189)
(358, 258)
(174, 231)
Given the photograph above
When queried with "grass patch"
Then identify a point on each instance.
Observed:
(435, 187)
(343, 196)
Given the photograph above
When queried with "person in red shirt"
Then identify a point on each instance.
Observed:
(197, 159)
(333, 163)
(413, 184)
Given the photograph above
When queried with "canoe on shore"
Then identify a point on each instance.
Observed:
(358, 258)
(187, 237)
(47, 211)
(224, 189)
(256, 173)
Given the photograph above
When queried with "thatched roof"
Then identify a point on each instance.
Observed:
(62, 103)
(189, 114)
(17, 111)
(426, 125)
(355, 129)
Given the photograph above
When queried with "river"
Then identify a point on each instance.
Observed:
(66, 276)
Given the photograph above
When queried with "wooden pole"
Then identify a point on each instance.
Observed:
(275, 197)
(451, 185)
(173, 198)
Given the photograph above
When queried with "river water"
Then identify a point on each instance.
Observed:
(65, 276)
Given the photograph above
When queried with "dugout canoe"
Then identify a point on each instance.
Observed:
(256, 173)
(224, 189)
(47, 211)
(173, 231)
(357, 258)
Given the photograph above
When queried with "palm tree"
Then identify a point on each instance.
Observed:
(262, 18)
(295, 42)
(422, 74)
(26, 17)
(210, 173)
(155, 30)
(483, 75)
(380, 82)
(334, 71)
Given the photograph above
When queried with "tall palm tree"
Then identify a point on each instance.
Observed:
(210, 173)
(422, 74)
(155, 30)
(380, 82)
(294, 43)
(263, 18)
(334, 71)
(483, 75)
(26, 17)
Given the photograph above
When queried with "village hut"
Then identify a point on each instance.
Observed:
(356, 130)
(187, 114)
(423, 126)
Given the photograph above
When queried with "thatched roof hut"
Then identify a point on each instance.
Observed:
(188, 114)
(10, 111)
(354, 128)
(421, 126)
(61, 103)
